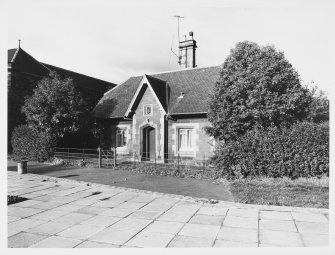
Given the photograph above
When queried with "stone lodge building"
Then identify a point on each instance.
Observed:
(160, 115)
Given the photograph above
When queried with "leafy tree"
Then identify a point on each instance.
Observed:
(55, 106)
(256, 86)
(319, 108)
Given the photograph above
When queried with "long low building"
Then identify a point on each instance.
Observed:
(24, 72)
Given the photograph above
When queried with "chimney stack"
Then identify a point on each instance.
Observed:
(187, 49)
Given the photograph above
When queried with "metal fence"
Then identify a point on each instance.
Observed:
(168, 163)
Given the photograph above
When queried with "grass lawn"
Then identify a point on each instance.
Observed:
(302, 192)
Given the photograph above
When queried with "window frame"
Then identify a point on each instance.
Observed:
(123, 137)
(188, 144)
(144, 109)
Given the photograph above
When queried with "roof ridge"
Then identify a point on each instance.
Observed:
(185, 70)
(15, 54)
(74, 72)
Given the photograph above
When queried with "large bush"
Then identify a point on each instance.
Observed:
(257, 86)
(299, 151)
(29, 144)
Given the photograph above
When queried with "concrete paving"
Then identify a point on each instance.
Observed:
(71, 214)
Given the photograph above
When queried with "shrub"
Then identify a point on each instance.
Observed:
(299, 151)
(28, 144)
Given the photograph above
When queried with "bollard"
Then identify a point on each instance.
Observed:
(22, 167)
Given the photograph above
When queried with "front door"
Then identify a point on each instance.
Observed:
(149, 143)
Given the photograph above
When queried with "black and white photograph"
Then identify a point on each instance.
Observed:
(168, 124)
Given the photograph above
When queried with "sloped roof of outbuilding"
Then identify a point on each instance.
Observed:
(196, 84)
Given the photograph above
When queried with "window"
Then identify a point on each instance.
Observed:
(147, 110)
(120, 138)
(185, 139)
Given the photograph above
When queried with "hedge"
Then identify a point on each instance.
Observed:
(28, 144)
(299, 151)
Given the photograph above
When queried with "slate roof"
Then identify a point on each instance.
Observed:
(84, 80)
(26, 63)
(11, 53)
(196, 84)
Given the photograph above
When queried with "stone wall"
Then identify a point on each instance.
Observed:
(202, 144)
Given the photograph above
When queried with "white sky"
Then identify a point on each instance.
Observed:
(113, 40)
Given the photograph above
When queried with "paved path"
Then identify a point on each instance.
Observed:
(65, 213)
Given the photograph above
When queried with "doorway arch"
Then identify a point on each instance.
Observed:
(148, 143)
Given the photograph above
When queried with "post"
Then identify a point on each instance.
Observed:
(114, 157)
(155, 161)
(68, 155)
(99, 162)
(204, 163)
(107, 158)
(178, 162)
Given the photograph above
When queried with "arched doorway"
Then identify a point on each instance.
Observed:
(149, 143)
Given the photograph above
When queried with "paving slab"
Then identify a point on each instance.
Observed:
(150, 240)
(213, 210)
(188, 241)
(49, 228)
(114, 236)
(199, 230)
(48, 215)
(130, 205)
(91, 210)
(243, 235)
(315, 240)
(117, 212)
(309, 217)
(24, 240)
(241, 222)
(131, 224)
(22, 212)
(282, 225)
(207, 219)
(275, 215)
(69, 207)
(225, 243)
(11, 219)
(312, 227)
(22, 225)
(280, 238)
(57, 242)
(80, 231)
(164, 227)
(72, 218)
(46, 205)
(175, 217)
(149, 215)
(101, 220)
(28, 203)
(90, 244)
(245, 213)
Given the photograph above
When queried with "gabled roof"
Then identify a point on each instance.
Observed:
(196, 84)
(157, 87)
(21, 60)
(11, 53)
(26, 63)
(83, 80)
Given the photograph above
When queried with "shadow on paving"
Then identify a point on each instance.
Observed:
(123, 178)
